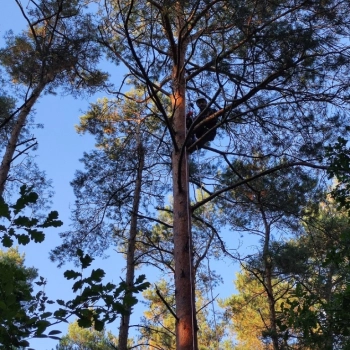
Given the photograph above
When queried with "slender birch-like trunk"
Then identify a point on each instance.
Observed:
(130, 255)
(15, 134)
(268, 284)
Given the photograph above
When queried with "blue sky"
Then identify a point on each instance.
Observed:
(60, 148)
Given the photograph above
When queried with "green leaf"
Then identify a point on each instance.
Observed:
(141, 287)
(53, 337)
(23, 239)
(4, 210)
(25, 221)
(37, 236)
(41, 327)
(129, 300)
(109, 287)
(7, 241)
(97, 275)
(119, 308)
(85, 261)
(79, 253)
(99, 325)
(60, 302)
(23, 343)
(71, 274)
(54, 332)
(60, 314)
(77, 285)
(51, 220)
(26, 198)
(140, 279)
(40, 336)
(85, 322)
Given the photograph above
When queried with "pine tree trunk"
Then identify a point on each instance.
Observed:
(15, 133)
(130, 257)
(268, 285)
(271, 299)
(184, 278)
(186, 330)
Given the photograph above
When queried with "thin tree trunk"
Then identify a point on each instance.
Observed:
(15, 133)
(268, 284)
(186, 329)
(130, 258)
(328, 293)
(271, 299)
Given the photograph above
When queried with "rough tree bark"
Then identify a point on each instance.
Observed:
(186, 329)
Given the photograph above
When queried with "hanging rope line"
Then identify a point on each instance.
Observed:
(209, 271)
(213, 307)
(193, 306)
(189, 112)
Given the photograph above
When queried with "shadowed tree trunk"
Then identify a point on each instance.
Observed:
(268, 283)
(130, 255)
(15, 134)
(186, 330)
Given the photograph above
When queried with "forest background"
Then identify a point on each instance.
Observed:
(281, 108)
(59, 149)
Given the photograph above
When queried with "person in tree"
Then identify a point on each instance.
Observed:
(206, 132)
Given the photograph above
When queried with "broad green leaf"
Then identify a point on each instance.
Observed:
(51, 220)
(86, 261)
(85, 322)
(23, 239)
(77, 285)
(97, 275)
(37, 236)
(7, 241)
(4, 210)
(25, 221)
(69, 274)
(99, 325)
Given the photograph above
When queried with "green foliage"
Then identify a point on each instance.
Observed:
(319, 306)
(338, 156)
(310, 287)
(248, 310)
(159, 323)
(17, 224)
(56, 49)
(98, 303)
(22, 312)
(87, 339)
(7, 105)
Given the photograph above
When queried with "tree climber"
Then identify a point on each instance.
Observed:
(203, 129)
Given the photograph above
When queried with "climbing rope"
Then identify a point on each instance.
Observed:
(189, 112)
(209, 271)
(193, 306)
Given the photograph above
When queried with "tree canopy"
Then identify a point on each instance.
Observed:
(273, 78)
